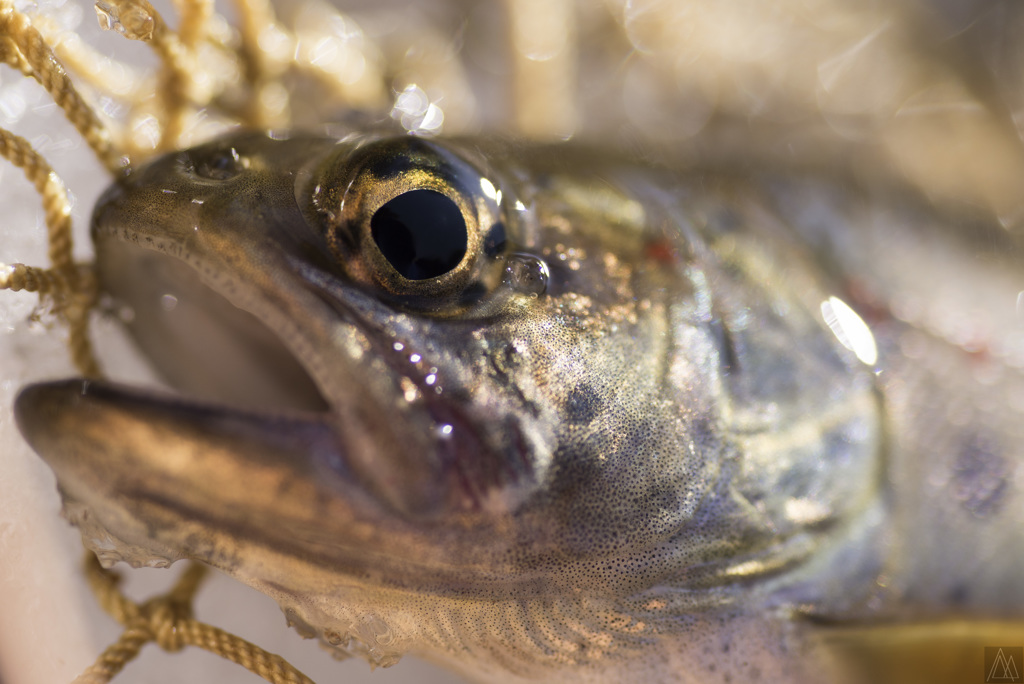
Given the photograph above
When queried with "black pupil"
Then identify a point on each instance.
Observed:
(421, 233)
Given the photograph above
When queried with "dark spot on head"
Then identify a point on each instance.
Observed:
(582, 405)
(706, 436)
(980, 475)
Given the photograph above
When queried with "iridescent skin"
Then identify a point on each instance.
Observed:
(663, 455)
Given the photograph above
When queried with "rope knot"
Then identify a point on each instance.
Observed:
(165, 618)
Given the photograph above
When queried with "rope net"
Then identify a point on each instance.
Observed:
(167, 621)
(70, 289)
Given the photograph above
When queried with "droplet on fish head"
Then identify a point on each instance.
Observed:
(527, 274)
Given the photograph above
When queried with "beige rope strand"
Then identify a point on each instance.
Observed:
(17, 277)
(139, 20)
(254, 18)
(49, 72)
(51, 189)
(175, 80)
(77, 313)
(72, 287)
(89, 65)
(167, 621)
(195, 17)
(74, 306)
(10, 56)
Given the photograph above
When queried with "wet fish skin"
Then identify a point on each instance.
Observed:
(666, 452)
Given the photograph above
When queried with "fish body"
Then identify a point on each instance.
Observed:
(541, 412)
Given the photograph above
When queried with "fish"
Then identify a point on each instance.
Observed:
(652, 418)
(542, 414)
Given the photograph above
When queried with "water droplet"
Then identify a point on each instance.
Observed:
(131, 19)
(416, 112)
(527, 274)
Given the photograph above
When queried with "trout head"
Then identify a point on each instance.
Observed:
(424, 386)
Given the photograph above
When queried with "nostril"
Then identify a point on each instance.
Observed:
(220, 164)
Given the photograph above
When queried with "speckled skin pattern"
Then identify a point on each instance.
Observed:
(659, 464)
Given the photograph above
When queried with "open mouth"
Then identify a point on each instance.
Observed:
(253, 446)
(243, 446)
(203, 345)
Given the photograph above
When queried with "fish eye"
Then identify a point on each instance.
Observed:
(421, 233)
(412, 219)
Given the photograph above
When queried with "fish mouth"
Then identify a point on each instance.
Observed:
(140, 466)
(298, 431)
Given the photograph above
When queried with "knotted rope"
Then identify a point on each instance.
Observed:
(167, 621)
(72, 290)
